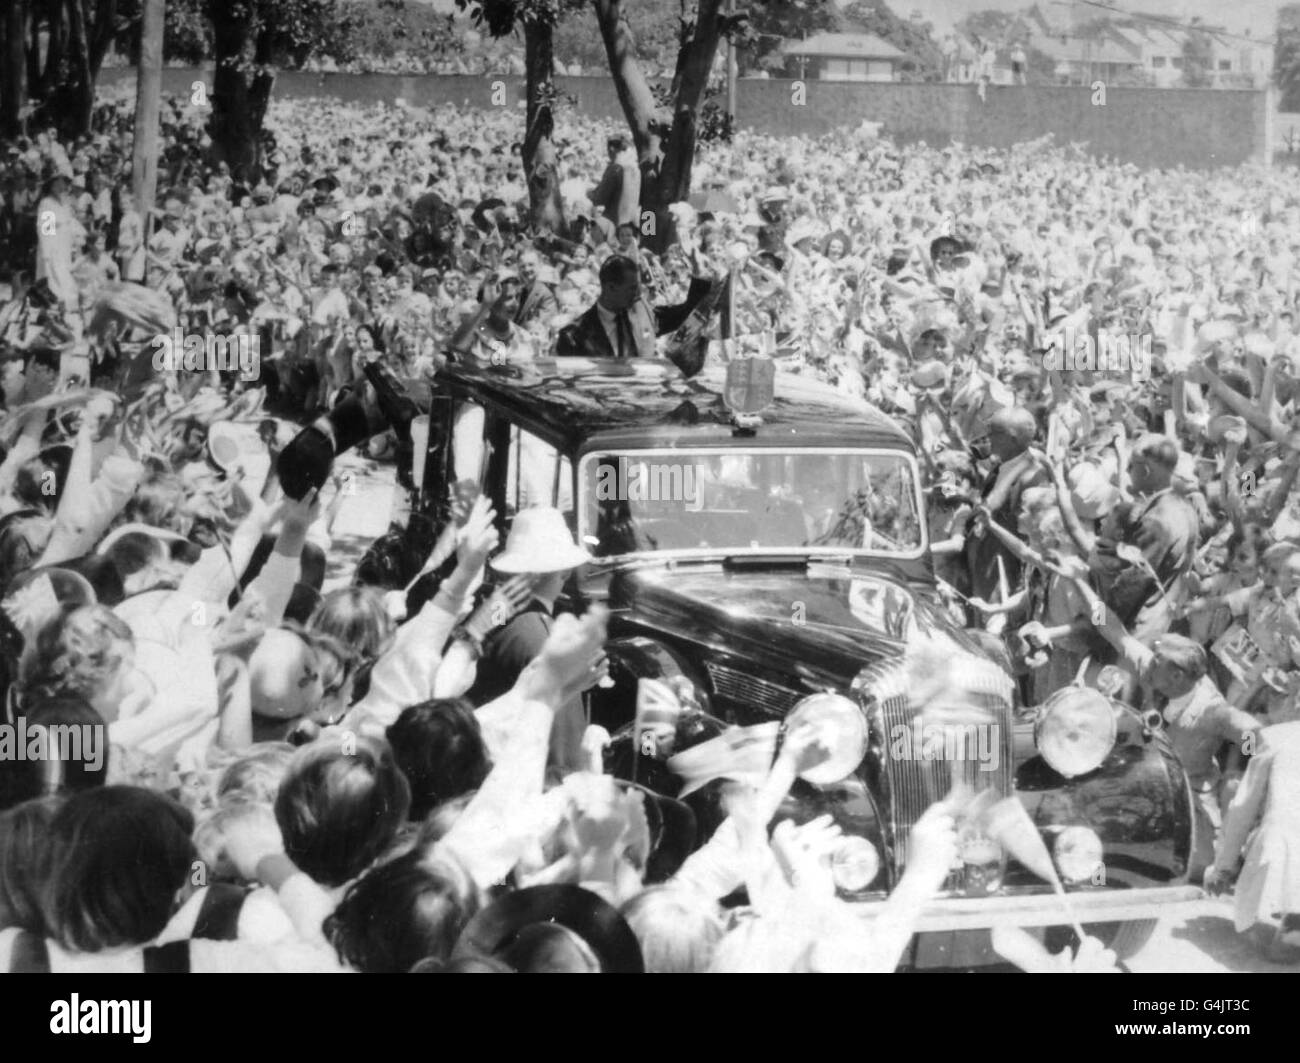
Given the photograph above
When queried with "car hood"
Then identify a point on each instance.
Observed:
(823, 622)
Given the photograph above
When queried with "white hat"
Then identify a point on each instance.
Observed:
(540, 542)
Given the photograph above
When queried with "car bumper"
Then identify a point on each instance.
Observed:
(1044, 909)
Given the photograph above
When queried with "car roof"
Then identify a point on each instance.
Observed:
(654, 403)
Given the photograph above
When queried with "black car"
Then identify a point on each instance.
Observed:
(779, 563)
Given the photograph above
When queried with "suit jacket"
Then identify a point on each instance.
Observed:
(619, 193)
(1167, 530)
(586, 337)
(607, 194)
(536, 301)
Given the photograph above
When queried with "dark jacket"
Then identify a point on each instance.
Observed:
(586, 337)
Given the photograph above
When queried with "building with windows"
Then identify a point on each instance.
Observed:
(1145, 49)
(846, 57)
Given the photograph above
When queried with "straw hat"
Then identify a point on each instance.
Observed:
(540, 542)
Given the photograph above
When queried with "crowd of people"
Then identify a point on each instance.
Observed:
(1098, 365)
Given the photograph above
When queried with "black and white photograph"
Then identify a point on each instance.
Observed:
(650, 486)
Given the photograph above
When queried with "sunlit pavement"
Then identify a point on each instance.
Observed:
(1201, 939)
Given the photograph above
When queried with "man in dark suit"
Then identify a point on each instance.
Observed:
(618, 196)
(1165, 528)
(1017, 466)
(623, 324)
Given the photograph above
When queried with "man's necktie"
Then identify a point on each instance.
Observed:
(626, 338)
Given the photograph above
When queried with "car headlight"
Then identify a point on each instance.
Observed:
(1075, 730)
(854, 864)
(842, 729)
(1078, 853)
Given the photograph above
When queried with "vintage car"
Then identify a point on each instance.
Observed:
(767, 564)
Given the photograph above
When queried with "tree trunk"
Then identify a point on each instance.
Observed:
(259, 92)
(13, 80)
(665, 143)
(148, 92)
(56, 46)
(235, 122)
(79, 88)
(545, 208)
(33, 59)
(101, 35)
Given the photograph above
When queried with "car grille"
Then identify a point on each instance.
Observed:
(767, 697)
(914, 782)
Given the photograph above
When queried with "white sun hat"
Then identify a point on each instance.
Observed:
(539, 542)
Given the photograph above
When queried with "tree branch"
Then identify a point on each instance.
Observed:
(634, 94)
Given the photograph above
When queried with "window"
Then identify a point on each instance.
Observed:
(1157, 62)
(1225, 64)
(1176, 62)
(538, 475)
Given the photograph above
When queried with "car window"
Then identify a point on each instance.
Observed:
(539, 475)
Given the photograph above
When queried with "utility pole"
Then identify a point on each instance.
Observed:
(148, 89)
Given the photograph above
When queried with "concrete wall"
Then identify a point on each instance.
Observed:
(1163, 128)
(1149, 127)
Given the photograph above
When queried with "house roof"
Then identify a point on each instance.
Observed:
(844, 45)
(1086, 50)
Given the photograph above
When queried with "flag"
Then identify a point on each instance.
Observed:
(1007, 823)
(742, 753)
(32, 606)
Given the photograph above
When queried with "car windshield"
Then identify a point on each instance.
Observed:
(713, 502)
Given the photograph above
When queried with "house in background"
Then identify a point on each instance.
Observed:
(846, 57)
(1143, 48)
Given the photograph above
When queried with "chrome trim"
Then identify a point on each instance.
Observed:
(762, 694)
(911, 786)
(1044, 909)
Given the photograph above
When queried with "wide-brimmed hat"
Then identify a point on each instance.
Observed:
(233, 445)
(529, 916)
(942, 243)
(540, 542)
(162, 536)
(841, 236)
